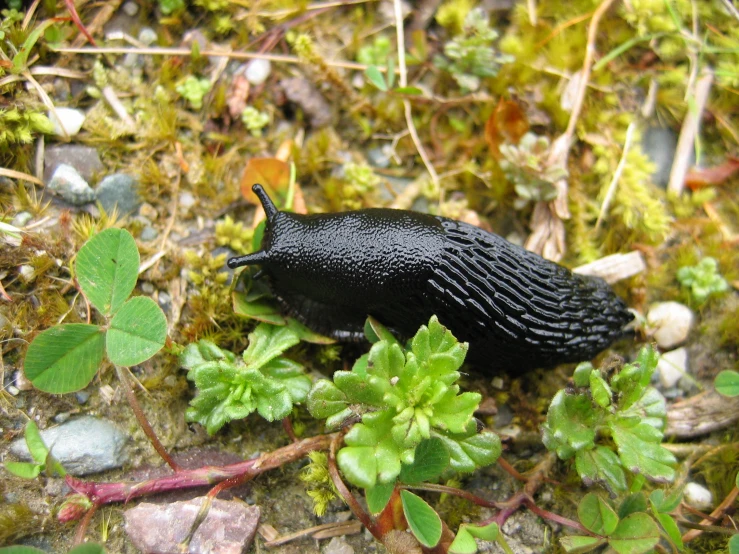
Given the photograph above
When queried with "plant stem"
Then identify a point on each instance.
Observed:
(107, 493)
(123, 376)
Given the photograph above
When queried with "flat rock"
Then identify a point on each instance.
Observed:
(85, 159)
(228, 528)
(70, 185)
(83, 445)
(119, 191)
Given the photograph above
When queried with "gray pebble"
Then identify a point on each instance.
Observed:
(83, 445)
(119, 191)
(70, 185)
(149, 233)
(85, 159)
(82, 396)
(130, 9)
(148, 36)
(659, 144)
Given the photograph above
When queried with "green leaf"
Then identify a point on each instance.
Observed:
(390, 72)
(325, 399)
(65, 358)
(633, 503)
(596, 515)
(636, 534)
(650, 408)
(267, 342)
(378, 496)
(87, 548)
(375, 76)
(671, 528)
(306, 335)
(422, 519)
(431, 459)
(37, 448)
(570, 425)
(640, 450)
(264, 310)
(289, 374)
(137, 331)
(376, 331)
(665, 503)
(24, 470)
(577, 544)
(600, 390)
(409, 91)
(734, 544)
(581, 376)
(107, 268)
(20, 60)
(727, 383)
(464, 542)
(371, 455)
(601, 465)
(471, 450)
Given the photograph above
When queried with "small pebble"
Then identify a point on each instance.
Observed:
(148, 36)
(498, 383)
(70, 185)
(119, 191)
(672, 367)
(61, 417)
(12, 390)
(257, 71)
(669, 323)
(338, 545)
(149, 233)
(21, 219)
(27, 273)
(82, 396)
(187, 199)
(130, 9)
(380, 157)
(22, 382)
(70, 118)
(698, 496)
(147, 288)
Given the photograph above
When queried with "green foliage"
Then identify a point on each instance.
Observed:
(86, 548)
(321, 488)
(194, 90)
(527, 165)
(376, 53)
(233, 234)
(42, 459)
(66, 357)
(727, 382)
(471, 55)
(403, 397)
(703, 279)
(424, 522)
(171, 6)
(626, 410)
(464, 542)
(263, 380)
(254, 120)
(630, 529)
(19, 126)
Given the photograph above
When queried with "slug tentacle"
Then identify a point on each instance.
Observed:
(517, 310)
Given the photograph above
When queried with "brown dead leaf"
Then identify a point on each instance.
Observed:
(271, 173)
(703, 177)
(507, 123)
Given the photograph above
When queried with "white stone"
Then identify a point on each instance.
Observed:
(148, 36)
(672, 366)
(130, 8)
(698, 496)
(187, 199)
(669, 323)
(70, 118)
(257, 71)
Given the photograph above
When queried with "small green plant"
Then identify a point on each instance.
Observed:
(471, 56)
(254, 120)
(194, 90)
(66, 357)
(263, 381)
(86, 548)
(42, 459)
(527, 165)
(19, 126)
(612, 427)
(403, 396)
(727, 383)
(635, 527)
(376, 53)
(703, 279)
(171, 6)
(233, 234)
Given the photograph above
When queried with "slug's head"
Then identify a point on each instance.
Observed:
(272, 212)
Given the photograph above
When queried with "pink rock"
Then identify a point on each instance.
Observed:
(159, 528)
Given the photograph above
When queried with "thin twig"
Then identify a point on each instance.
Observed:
(13, 174)
(350, 526)
(403, 81)
(717, 513)
(616, 175)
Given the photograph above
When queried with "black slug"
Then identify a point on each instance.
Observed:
(517, 310)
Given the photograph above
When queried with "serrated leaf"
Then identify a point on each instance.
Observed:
(640, 451)
(107, 269)
(264, 310)
(570, 425)
(424, 522)
(454, 412)
(650, 408)
(274, 405)
(636, 534)
(137, 331)
(360, 389)
(727, 383)
(378, 496)
(431, 459)
(291, 375)
(65, 358)
(579, 544)
(596, 515)
(325, 399)
(267, 342)
(601, 465)
(371, 454)
(471, 450)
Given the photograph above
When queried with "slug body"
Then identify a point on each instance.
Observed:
(517, 310)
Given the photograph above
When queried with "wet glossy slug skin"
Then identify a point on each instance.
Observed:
(517, 310)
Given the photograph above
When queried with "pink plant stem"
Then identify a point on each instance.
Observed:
(107, 493)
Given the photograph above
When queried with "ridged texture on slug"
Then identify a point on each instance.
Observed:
(517, 310)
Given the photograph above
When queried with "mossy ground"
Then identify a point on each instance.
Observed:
(176, 149)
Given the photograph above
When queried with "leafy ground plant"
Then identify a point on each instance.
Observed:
(703, 280)
(613, 426)
(66, 357)
(42, 459)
